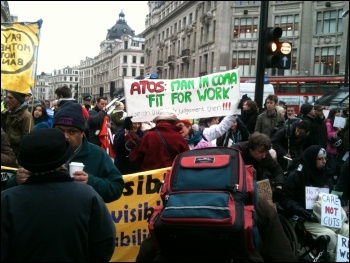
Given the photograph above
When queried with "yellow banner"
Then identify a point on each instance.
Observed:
(19, 53)
(130, 212)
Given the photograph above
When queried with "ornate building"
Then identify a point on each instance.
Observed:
(194, 38)
(121, 56)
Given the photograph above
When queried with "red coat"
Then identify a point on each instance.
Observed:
(151, 153)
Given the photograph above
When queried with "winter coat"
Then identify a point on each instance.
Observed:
(267, 166)
(152, 154)
(50, 218)
(293, 193)
(16, 125)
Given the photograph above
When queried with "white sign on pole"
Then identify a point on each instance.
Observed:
(331, 211)
(342, 249)
(311, 195)
(339, 122)
(216, 94)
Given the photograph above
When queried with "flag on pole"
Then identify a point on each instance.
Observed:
(19, 54)
(106, 139)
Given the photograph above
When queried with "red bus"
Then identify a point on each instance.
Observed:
(292, 90)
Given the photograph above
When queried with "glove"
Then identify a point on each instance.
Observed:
(309, 216)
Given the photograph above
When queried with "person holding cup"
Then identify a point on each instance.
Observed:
(99, 170)
(50, 217)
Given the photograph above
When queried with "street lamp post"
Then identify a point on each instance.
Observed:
(346, 75)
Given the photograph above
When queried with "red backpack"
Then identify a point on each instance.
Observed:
(208, 213)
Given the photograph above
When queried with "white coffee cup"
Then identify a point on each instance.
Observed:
(75, 166)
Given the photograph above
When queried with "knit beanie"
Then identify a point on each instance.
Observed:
(19, 96)
(306, 108)
(70, 114)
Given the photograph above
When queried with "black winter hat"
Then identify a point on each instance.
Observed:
(19, 96)
(44, 150)
(70, 114)
(306, 108)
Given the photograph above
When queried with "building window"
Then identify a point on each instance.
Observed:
(245, 61)
(289, 25)
(327, 60)
(126, 46)
(142, 72)
(125, 59)
(248, 2)
(124, 72)
(329, 22)
(246, 27)
(133, 72)
(142, 60)
(133, 59)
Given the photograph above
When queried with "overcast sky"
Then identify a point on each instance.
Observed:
(72, 30)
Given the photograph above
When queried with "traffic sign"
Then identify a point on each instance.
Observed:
(284, 62)
(286, 48)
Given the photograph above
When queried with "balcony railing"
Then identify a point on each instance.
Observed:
(160, 63)
(185, 53)
(171, 59)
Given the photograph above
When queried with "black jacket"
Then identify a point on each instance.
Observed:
(51, 218)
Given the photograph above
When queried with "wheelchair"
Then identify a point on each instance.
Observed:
(305, 247)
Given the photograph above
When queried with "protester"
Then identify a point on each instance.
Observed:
(332, 140)
(268, 120)
(50, 218)
(40, 117)
(16, 120)
(99, 171)
(63, 94)
(275, 244)
(124, 141)
(318, 130)
(118, 115)
(255, 152)
(160, 145)
(343, 185)
(238, 132)
(210, 129)
(289, 141)
(249, 115)
(96, 120)
(291, 111)
(8, 157)
(311, 172)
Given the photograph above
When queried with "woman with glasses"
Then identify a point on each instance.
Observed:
(311, 172)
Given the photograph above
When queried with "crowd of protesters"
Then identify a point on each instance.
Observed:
(141, 146)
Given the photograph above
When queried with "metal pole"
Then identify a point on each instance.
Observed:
(260, 73)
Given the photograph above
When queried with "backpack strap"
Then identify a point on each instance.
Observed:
(165, 144)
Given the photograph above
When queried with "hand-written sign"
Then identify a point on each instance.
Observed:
(311, 195)
(212, 95)
(339, 122)
(330, 210)
(264, 190)
(342, 249)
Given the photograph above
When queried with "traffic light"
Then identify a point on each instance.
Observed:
(273, 46)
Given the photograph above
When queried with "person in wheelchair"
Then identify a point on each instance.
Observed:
(311, 172)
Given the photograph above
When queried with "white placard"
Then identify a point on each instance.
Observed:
(311, 195)
(331, 211)
(339, 122)
(342, 249)
(217, 94)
